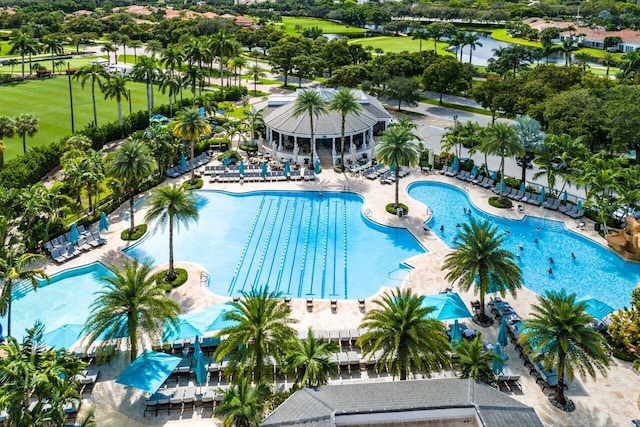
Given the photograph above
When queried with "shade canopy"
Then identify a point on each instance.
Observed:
(199, 365)
(263, 169)
(184, 330)
(62, 337)
(596, 308)
(149, 371)
(579, 205)
(542, 194)
(523, 187)
(317, 166)
(241, 168)
(503, 338)
(74, 235)
(447, 306)
(497, 364)
(456, 164)
(183, 161)
(104, 223)
(286, 170)
(494, 175)
(474, 170)
(456, 336)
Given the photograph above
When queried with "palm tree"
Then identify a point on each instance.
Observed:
(108, 48)
(53, 45)
(131, 306)
(478, 261)
(26, 124)
(172, 58)
(345, 102)
(116, 87)
(474, 361)
(420, 34)
(131, 162)
(568, 46)
(7, 129)
(254, 118)
(172, 83)
(16, 267)
(194, 51)
(190, 125)
(238, 63)
(502, 140)
(175, 205)
(608, 59)
(222, 44)
(23, 44)
(459, 39)
(398, 148)
(241, 405)
(557, 332)
(193, 77)
(93, 175)
(96, 73)
(256, 73)
(261, 324)
(531, 137)
(135, 45)
(310, 102)
(309, 359)
(147, 71)
(154, 47)
(472, 40)
(408, 340)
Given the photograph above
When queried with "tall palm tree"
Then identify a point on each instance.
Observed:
(23, 44)
(262, 323)
(238, 63)
(531, 137)
(242, 404)
(472, 40)
(170, 82)
(53, 45)
(131, 162)
(174, 205)
(116, 88)
(309, 359)
(608, 59)
(16, 267)
(26, 124)
(502, 140)
(478, 261)
(195, 51)
(94, 173)
(474, 361)
(109, 48)
(96, 73)
(147, 71)
(222, 44)
(310, 102)
(131, 307)
(135, 45)
(193, 77)
(190, 125)
(558, 328)
(420, 34)
(408, 340)
(154, 47)
(345, 102)
(398, 148)
(459, 39)
(256, 73)
(568, 46)
(172, 58)
(7, 129)
(254, 118)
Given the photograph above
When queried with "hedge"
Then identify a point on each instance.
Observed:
(180, 280)
(140, 230)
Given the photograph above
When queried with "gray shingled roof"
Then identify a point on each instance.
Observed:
(279, 116)
(319, 405)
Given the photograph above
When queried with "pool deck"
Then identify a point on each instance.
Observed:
(606, 401)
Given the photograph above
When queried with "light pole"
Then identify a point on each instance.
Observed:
(129, 102)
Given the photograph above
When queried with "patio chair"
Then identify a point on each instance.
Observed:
(489, 183)
(572, 210)
(175, 401)
(450, 172)
(58, 255)
(576, 214)
(189, 398)
(309, 304)
(361, 304)
(208, 397)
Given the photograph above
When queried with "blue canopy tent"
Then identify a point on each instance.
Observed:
(199, 365)
(104, 223)
(456, 164)
(204, 317)
(596, 308)
(62, 337)
(503, 337)
(494, 175)
(74, 235)
(565, 196)
(241, 167)
(447, 306)
(149, 371)
(497, 364)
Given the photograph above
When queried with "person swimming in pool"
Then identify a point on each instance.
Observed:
(550, 260)
(521, 247)
(458, 225)
(573, 255)
(442, 228)
(535, 240)
(550, 270)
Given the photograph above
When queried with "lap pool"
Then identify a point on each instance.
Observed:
(594, 271)
(302, 244)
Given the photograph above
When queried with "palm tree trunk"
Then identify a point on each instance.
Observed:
(53, 69)
(9, 312)
(170, 106)
(403, 374)
(148, 98)
(23, 66)
(193, 171)
(120, 122)
(501, 177)
(397, 185)
(470, 53)
(171, 274)
(93, 99)
(132, 226)
(133, 336)
(221, 78)
(312, 142)
(560, 398)
(342, 143)
(24, 142)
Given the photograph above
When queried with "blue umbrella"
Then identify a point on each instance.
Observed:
(185, 329)
(393, 167)
(503, 338)
(183, 161)
(447, 306)
(523, 187)
(456, 164)
(149, 371)
(241, 167)
(202, 112)
(497, 364)
(596, 308)
(579, 206)
(474, 170)
(317, 166)
(542, 196)
(456, 336)
(226, 161)
(63, 337)
(202, 318)
(263, 171)
(494, 175)
(74, 235)
(286, 171)
(104, 223)
(565, 195)
(200, 367)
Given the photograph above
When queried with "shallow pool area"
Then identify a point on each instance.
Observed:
(302, 244)
(539, 244)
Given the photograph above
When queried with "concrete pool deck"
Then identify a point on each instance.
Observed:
(606, 401)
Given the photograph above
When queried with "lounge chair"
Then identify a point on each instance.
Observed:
(555, 205)
(534, 200)
(83, 244)
(463, 175)
(576, 214)
(175, 401)
(573, 209)
(479, 180)
(566, 208)
(489, 183)
(208, 398)
(512, 194)
(450, 172)
(519, 195)
(443, 170)
(189, 398)
(58, 255)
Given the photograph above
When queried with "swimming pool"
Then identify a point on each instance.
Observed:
(594, 271)
(65, 300)
(302, 244)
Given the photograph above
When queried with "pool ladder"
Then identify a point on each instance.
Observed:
(204, 278)
(429, 215)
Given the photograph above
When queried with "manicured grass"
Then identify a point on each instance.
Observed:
(400, 44)
(456, 106)
(48, 100)
(290, 23)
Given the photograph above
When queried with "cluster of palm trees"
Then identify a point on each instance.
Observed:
(460, 39)
(23, 125)
(25, 44)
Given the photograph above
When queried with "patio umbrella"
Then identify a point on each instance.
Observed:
(286, 171)
(149, 371)
(263, 171)
(354, 154)
(565, 195)
(317, 166)
(241, 167)
(494, 175)
(225, 161)
(74, 235)
(456, 337)
(523, 187)
(202, 318)
(474, 170)
(183, 161)
(103, 225)
(456, 164)
(596, 308)
(503, 338)
(296, 150)
(199, 367)
(497, 364)
(542, 195)
(579, 205)
(447, 306)
(62, 337)
(185, 329)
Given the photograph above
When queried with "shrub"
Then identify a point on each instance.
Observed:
(392, 209)
(180, 280)
(337, 169)
(139, 232)
(501, 204)
(249, 148)
(230, 154)
(198, 185)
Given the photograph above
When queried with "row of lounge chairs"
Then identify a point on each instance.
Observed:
(390, 176)
(61, 249)
(179, 398)
(229, 177)
(198, 161)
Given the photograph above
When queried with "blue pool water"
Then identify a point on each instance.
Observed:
(65, 300)
(595, 271)
(302, 244)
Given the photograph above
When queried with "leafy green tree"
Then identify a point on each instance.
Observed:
(478, 261)
(310, 102)
(172, 204)
(502, 139)
(420, 34)
(445, 76)
(437, 30)
(624, 326)
(398, 148)
(242, 404)
(189, 124)
(345, 102)
(26, 124)
(262, 323)
(130, 163)
(558, 327)
(310, 360)
(131, 307)
(281, 55)
(254, 119)
(116, 88)
(621, 109)
(96, 73)
(409, 342)
(474, 361)
(402, 89)
(7, 129)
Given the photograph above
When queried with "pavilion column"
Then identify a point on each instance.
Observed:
(280, 143)
(333, 146)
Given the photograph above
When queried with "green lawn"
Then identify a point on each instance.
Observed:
(290, 23)
(48, 100)
(400, 44)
